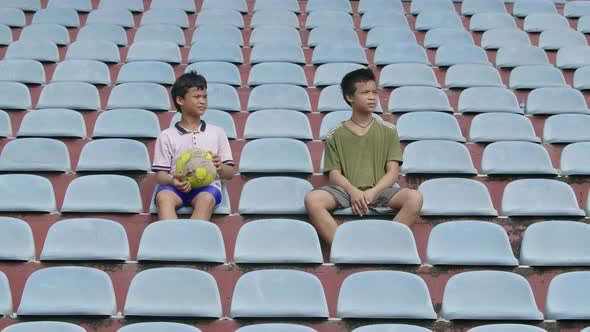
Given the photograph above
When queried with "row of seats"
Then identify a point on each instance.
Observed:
(185, 292)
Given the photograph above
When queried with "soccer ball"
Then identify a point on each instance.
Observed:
(196, 167)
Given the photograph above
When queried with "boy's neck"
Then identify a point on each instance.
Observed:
(190, 123)
(362, 117)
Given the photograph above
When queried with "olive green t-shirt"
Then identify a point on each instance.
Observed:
(362, 159)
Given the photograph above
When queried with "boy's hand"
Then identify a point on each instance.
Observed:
(216, 160)
(358, 202)
(183, 186)
(370, 195)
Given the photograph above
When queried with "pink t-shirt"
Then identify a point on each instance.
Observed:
(174, 141)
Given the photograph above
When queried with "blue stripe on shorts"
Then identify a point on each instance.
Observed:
(188, 197)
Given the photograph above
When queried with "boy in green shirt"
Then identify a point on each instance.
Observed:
(362, 159)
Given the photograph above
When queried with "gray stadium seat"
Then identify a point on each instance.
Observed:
(12, 17)
(336, 52)
(576, 9)
(510, 157)
(67, 17)
(437, 157)
(432, 19)
(182, 240)
(52, 32)
(23, 71)
(290, 5)
(126, 123)
(328, 33)
(556, 243)
(6, 299)
(5, 35)
(154, 50)
(390, 328)
(113, 155)
(486, 21)
(277, 123)
(5, 125)
(16, 241)
(391, 53)
(417, 99)
(573, 57)
(47, 326)
(498, 38)
(407, 74)
(131, 5)
(25, 5)
(327, 17)
(366, 6)
(279, 293)
(40, 50)
(472, 7)
(456, 197)
(53, 123)
(211, 33)
(523, 8)
(319, 5)
(111, 16)
(86, 239)
(536, 76)
(89, 71)
(270, 18)
(173, 292)
(384, 294)
(472, 75)
(102, 194)
(211, 51)
(216, 72)
(574, 159)
(566, 128)
(510, 57)
(157, 326)
(416, 126)
(507, 328)
(35, 155)
(384, 34)
(215, 117)
(567, 295)
(68, 290)
(99, 50)
(274, 195)
(489, 295)
(279, 96)
(275, 155)
(556, 39)
(493, 127)
(14, 96)
(331, 100)
(84, 6)
(486, 99)
(264, 241)
(584, 24)
(185, 5)
(223, 97)
(332, 73)
(148, 96)
(449, 55)
(269, 327)
(277, 52)
(539, 197)
(275, 34)
(374, 242)
(160, 32)
(542, 22)
(101, 31)
(438, 37)
(276, 73)
(332, 119)
(469, 242)
(176, 17)
(220, 16)
(223, 208)
(385, 20)
(582, 78)
(556, 101)
(419, 6)
(73, 95)
(237, 5)
(147, 72)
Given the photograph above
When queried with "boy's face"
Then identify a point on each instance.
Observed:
(194, 101)
(365, 96)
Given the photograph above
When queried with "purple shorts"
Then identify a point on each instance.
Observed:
(188, 197)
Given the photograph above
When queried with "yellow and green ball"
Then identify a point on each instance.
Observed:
(196, 167)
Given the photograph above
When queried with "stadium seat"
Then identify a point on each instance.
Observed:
(383, 34)
(331, 100)
(237, 5)
(103, 194)
(277, 73)
(582, 78)
(14, 96)
(473, 7)
(489, 295)
(12, 17)
(99, 50)
(568, 295)
(566, 128)
(496, 99)
(390, 328)
(215, 117)
(111, 16)
(327, 17)
(407, 74)
(275, 34)
(574, 159)
(126, 123)
(584, 24)
(497, 38)
(438, 37)
(114, 155)
(185, 5)
(332, 119)
(264, 241)
(176, 17)
(332, 73)
(182, 240)
(16, 241)
(507, 328)
(392, 53)
(290, 5)
(55, 33)
(384, 295)
(536, 76)
(277, 327)
(135, 6)
(366, 6)
(47, 326)
(469, 242)
(66, 17)
(146, 72)
(433, 19)
(5, 35)
(576, 9)
(573, 57)
(86, 239)
(35, 155)
(557, 39)
(542, 22)
(336, 52)
(437, 157)
(556, 243)
(212, 51)
(39, 50)
(556, 101)
(523, 8)
(419, 6)
(274, 195)
(509, 157)
(277, 123)
(417, 99)
(510, 57)
(449, 55)
(23, 71)
(68, 291)
(216, 72)
(328, 33)
(274, 18)
(5, 125)
(173, 292)
(83, 6)
(385, 20)
(220, 16)
(223, 208)
(418, 126)
(217, 33)
(373, 242)
(154, 50)
(223, 97)
(157, 326)
(319, 5)
(539, 197)
(456, 197)
(278, 293)
(52, 123)
(277, 52)
(73, 95)
(472, 75)
(288, 156)
(148, 96)
(279, 96)
(89, 71)
(6, 298)
(25, 5)
(486, 21)
(160, 32)
(493, 127)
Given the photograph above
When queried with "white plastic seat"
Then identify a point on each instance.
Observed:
(170, 16)
(220, 16)
(39, 50)
(487, 99)
(556, 39)
(99, 50)
(407, 74)
(556, 100)
(111, 16)
(567, 294)
(392, 53)
(288, 156)
(35, 155)
(72, 95)
(472, 75)
(277, 123)
(573, 57)
(160, 32)
(539, 197)
(542, 22)
(271, 18)
(510, 57)
(498, 38)
(494, 127)
(511, 157)
(523, 8)
(384, 34)
(220, 33)
(566, 128)
(456, 197)
(55, 33)
(437, 157)
(416, 126)
(52, 123)
(418, 99)
(16, 242)
(22, 71)
(438, 37)
(537, 76)
(89, 71)
(555, 243)
(574, 159)
(486, 21)
(102, 194)
(277, 73)
(146, 72)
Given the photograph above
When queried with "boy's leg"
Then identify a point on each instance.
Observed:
(319, 204)
(409, 204)
(203, 205)
(167, 202)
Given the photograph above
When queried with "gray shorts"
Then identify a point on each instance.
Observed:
(379, 204)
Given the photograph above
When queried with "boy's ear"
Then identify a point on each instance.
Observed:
(349, 98)
(180, 100)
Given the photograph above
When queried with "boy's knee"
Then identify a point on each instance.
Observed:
(415, 200)
(204, 199)
(312, 200)
(165, 197)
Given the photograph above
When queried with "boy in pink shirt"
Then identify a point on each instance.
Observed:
(189, 94)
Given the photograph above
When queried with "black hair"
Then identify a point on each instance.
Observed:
(350, 79)
(186, 81)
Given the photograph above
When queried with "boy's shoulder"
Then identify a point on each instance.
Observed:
(386, 125)
(333, 131)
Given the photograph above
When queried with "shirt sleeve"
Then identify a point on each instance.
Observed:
(331, 157)
(224, 149)
(394, 153)
(162, 155)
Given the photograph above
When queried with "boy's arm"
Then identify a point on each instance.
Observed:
(358, 202)
(390, 177)
(226, 171)
(223, 161)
